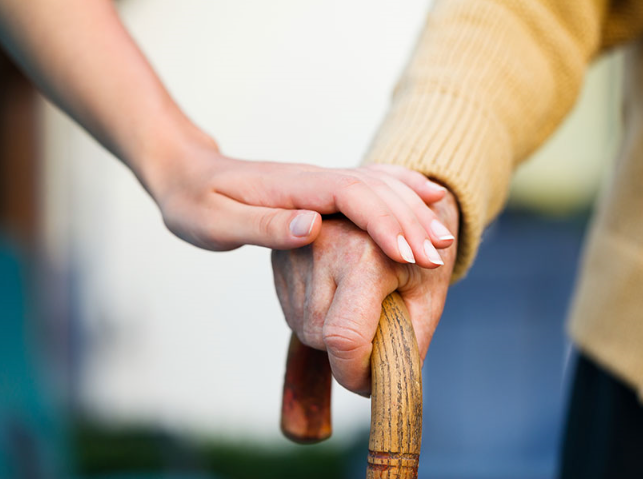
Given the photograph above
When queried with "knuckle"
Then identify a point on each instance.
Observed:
(313, 317)
(266, 225)
(377, 182)
(344, 341)
(370, 252)
(382, 167)
(349, 182)
(383, 216)
(382, 221)
(311, 336)
(361, 250)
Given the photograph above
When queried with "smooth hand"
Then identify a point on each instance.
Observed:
(219, 203)
(82, 57)
(331, 293)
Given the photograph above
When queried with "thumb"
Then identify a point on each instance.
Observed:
(276, 228)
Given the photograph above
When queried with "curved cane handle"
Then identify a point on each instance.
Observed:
(396, 399)
(305, 406)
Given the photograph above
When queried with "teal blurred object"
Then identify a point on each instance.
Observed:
(32, 436)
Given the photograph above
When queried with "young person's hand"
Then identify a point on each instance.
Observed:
(82, 57)
(219, 203)
(331, 293)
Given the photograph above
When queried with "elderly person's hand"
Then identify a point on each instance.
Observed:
(331, 293)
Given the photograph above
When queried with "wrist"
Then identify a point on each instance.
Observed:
(165, 153)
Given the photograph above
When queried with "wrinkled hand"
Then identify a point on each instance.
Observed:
(331, 293)
(219, 203)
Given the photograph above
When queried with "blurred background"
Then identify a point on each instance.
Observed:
(127, 352)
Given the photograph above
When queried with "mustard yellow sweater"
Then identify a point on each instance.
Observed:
(488, 82)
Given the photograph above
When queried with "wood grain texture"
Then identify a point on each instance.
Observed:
(305, 408)
(396, 399)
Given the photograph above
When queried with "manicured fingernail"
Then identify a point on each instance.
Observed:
(432, 254)
(440, 231)
(435, 187)
(302, 225)
(405, 249)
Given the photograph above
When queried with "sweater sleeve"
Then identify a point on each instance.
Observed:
(488, 82)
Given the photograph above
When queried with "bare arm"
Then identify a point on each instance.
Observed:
(79, 54)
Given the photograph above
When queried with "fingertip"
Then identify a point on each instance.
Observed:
(398, 249)
(441, 243)
(434, 186)
(305, 224)
(279, 229)
(433, 192)
(405, 249)
(316, 226)
(391, 244)
(432, 255)
(440, 235)
(302, 228)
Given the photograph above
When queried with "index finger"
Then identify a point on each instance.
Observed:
(428, 190)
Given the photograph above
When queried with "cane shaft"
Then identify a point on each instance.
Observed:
(396, 396)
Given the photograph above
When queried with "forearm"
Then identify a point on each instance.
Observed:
(80, 55)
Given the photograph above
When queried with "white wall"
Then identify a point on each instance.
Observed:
(183, 337)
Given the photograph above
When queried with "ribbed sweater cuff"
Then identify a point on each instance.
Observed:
(457, 142)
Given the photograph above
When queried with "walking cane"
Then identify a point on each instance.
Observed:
(396, 397)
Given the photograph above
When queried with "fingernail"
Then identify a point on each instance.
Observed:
(302, 225)
(405, 249)
(440, 231)
(432, 254)
(435, 187)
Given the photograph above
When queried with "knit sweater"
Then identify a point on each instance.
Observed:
(487, 84)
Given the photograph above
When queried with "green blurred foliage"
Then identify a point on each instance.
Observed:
(142, 452)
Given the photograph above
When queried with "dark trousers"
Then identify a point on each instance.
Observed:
(604, 432)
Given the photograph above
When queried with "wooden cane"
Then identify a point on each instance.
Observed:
(305, 406)
(396, 395)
